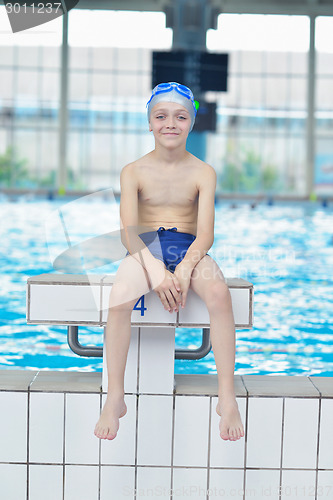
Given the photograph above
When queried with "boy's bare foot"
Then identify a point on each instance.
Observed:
(231, 427)
(108, 423)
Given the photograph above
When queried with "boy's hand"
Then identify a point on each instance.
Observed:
(183, 275)
(169, 291)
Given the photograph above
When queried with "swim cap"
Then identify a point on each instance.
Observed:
(173, 92)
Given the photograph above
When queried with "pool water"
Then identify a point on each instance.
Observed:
(284, 249)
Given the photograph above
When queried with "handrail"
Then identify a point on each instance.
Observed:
(198, 353)
(92, 351)
(78, 348)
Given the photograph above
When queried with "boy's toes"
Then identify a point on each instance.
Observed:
(98, 433)
(104, 433)
(110, 435)
(224, 434)
(232, 435)
(240, 433)
(101, 433)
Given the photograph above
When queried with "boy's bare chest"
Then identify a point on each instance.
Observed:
(167, 189)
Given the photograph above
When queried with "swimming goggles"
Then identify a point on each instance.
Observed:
(167, 87)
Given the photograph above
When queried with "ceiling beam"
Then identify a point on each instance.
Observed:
(288, 7)
(134, 5)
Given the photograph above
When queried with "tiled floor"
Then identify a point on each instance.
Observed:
(167, 443)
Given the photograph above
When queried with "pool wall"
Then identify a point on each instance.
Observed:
(166, 442)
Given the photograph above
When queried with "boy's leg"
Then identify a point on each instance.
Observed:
(208, 282)
(130, 284)
(116, 344)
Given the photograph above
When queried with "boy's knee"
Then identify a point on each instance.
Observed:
(121, 296)
(218, 295)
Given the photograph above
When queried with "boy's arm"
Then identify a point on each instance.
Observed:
(205, 222)
(129, 219)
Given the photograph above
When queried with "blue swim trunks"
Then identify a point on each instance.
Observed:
(168, 245)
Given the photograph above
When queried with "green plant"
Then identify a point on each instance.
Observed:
(74, 181)
(49, 180)
(243, 172)
(13, 172)
(269, 178)
(230, 178)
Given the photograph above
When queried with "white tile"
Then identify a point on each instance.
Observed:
(154, 430)
(326, 435)
(64, 303)
(153, 482)
(195, 310)
(226, 483)
(46, 427)
(191, 431)
(298, 484)
(13, 481)
(262, 484)
(157, 354)
(121, 450)
(82, 413)
(226, 453)
(300, 433)
(117, 483)
(131, 370)
(190, 483)
(44, 478)
(13, 426)
(325, 484)
(264, 432)
(105, 382)
(81, 482)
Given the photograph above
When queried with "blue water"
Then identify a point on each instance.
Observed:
(284, 249)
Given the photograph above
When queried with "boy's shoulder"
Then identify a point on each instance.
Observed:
(132, 167)
(204, 169)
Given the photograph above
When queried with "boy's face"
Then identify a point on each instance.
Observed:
(169, 121)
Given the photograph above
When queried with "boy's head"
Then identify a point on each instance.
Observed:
(173, 92)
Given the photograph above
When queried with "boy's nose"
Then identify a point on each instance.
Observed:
(170, 123)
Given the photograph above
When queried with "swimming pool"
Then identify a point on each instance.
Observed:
(284, 249)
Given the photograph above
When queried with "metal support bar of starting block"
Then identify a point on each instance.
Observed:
(92, 351)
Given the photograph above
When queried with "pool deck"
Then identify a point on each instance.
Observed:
(165, 441)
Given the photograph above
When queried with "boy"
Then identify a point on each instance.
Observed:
(169, 194)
